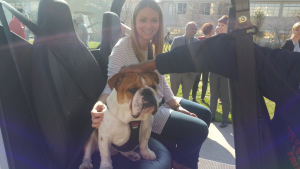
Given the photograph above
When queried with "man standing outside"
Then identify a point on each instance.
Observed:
(208, 31)
(16, 26)
(185, 79)
(81, 30)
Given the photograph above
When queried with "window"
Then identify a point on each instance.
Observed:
(269, 36)
(172, 9)
(181, 8)
(223, 8)
(176, 31)
(268, 9)
(290, 10)
(204, 8)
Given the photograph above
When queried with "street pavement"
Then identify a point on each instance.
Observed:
(218, 151)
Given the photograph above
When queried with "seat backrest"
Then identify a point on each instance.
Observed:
(66, 83)
(23, 145)
(111, 33)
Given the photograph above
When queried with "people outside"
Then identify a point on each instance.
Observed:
(16, 26)
(208, 31)
(277, 78)
(81, 30)
(166, 40)
(182, 121)
(186, 80)
(293, 44)
(218, 81)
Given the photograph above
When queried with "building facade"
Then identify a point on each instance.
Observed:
(280, 16)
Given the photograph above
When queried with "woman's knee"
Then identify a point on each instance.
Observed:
(205, 114)
(200, 133)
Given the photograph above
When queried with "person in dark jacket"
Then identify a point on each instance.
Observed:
(277, 75)
(293, 44)
(208, 31)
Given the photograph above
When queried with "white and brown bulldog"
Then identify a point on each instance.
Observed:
(127, 120)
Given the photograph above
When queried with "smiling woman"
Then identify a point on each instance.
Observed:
(147, 23)
(178, 120)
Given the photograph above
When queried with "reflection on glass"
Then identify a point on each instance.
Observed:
(290, 10)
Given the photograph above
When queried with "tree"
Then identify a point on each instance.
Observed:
(219, 9)
(281, 27)
(258, 19)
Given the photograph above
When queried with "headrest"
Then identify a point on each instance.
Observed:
(54, 18)
(111, 30)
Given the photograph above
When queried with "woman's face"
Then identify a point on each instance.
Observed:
(147, 24)
(296, 33)
(217, 30)
(221, 28)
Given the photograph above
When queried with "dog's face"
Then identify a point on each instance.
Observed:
(139, 90)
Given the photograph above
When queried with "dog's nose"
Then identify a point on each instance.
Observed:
(147, 92)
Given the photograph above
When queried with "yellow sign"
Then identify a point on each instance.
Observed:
(242, 19)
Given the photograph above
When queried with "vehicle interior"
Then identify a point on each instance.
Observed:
(48, 87)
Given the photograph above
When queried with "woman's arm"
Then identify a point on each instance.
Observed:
(116, 61)
(171, 101)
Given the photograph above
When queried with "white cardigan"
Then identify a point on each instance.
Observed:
(122, 55)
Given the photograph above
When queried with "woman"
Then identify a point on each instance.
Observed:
(293, 44)
(219, 82)
(166, 39)
(179, 124)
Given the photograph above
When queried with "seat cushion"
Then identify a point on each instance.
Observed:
(163, 159)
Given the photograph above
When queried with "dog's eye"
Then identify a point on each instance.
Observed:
(153, 87)
(133, 90)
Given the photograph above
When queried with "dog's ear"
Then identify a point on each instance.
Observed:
(115, 80)
(154, 76)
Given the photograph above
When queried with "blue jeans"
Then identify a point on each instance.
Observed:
(187, 132)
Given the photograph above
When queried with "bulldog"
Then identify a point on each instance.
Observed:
(127, 120)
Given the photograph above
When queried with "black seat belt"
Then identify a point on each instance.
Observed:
(246, 115)
(9, 38)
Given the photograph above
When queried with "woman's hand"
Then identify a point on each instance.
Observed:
(182, 110)
(97, 114)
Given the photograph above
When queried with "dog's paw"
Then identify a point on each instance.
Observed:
(86, 164)
(113, 151)
(148, 154)
(131, 155)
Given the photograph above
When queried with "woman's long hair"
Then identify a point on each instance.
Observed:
(158, 39)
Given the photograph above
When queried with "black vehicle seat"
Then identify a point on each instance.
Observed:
(23, 145)
(66, 83)
(111, 33)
